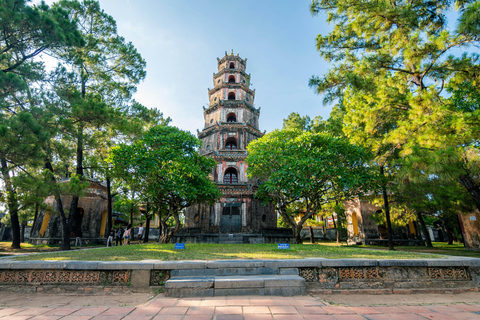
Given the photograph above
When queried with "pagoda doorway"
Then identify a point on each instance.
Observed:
(231, 220)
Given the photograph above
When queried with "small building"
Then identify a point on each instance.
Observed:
(362, 228)
(470, 225)
(92, 217)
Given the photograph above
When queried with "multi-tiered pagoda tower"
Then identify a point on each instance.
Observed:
(231, 123)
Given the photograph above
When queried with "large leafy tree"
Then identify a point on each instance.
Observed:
(127, 126)
(314, 168)
(93, 82)
(165, 168)
(391, 62)
(26, 32)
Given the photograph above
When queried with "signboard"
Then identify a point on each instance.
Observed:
(473, 218)
(283, 246)
(179, 246)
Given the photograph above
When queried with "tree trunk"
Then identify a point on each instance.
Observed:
(34, 219)
(65, 245)
(109, 206)
(325, 230)
(73, 215)
(163, 236)
(12, 204)
(472, 188)
(335, 225)
(147, 224)
(449, 234)
(170, 233)
(22, 232)
(296, 234)
(312, 236)
(387, 213)
(424, 229)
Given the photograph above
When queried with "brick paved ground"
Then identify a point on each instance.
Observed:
(245, 308)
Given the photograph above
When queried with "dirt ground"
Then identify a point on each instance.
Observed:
(39, 300)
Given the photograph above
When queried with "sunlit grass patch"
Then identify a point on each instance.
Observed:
(203, 251)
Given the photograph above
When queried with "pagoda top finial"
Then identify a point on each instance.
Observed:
(230, 56)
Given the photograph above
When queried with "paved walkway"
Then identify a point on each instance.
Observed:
(245, 308)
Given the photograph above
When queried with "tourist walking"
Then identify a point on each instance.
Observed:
(110, 237)
(78, 238)
(126, 235)
(118, 238)
(140, 234)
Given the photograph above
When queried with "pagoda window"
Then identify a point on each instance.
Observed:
(231, 79)
(232, 65)
(231, 144)
(230, 176)
(231, 96)
(231, 117)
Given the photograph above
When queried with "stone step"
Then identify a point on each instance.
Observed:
(209, 286)
(232, 272)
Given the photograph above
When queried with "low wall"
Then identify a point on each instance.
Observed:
(323, 275)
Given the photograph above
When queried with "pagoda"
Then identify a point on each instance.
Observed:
(231, 123)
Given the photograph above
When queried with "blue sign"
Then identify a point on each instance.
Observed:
(283, 246)
(179, 246)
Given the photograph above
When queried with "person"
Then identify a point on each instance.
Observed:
(140, 233)
(126, 235)
(110, 237)
(78, 238)
(118, 238)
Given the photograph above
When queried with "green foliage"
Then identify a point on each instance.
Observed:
(26, 32)
(281, 222)
(165, 168)
(391, 61)
(296, 122)
(313, 168)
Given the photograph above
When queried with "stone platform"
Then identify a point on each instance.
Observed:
(237, 277)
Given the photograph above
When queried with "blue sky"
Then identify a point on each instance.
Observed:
(180, 40)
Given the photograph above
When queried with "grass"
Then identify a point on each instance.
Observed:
(455, 249)
(6, 250)
(203, 251)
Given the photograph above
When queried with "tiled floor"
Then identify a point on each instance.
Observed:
(248, 308)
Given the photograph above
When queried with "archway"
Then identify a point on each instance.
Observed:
(231, 144)
(232, 65)
(231, 117)
(231, 96)
(230, 176)
(231, 79)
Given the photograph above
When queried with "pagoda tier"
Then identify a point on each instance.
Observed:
(231, 123)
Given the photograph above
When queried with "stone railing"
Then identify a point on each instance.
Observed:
(324, 275)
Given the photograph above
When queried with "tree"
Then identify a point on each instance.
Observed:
(295, 121)
(126, 126)
(314, 168)
(165, 168)
(392, 60)
(26, 32)
(94, 81)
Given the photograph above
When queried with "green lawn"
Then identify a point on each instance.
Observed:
(456, 249)
(6, 250)
(202, 251)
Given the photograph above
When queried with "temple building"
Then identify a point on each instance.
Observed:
(231, 123)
